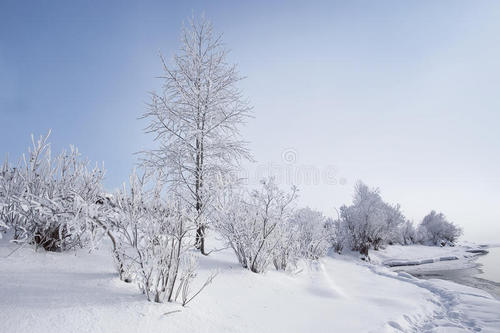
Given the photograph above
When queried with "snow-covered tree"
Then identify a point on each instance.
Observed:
(369, 221)
(254, 225)
(436, 229)
(196, 121)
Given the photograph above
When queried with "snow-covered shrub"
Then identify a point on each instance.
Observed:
(394, 220)
(311, 233)
(408, 233)
(3, 225)
(256, 226)
(338, 235)
(152, 238)
(237, 222)
(120, 216)
(369, 222)
(47, 198)
(11, 187)
(3, 228)
(287, 249)
(437, 230)
(160, 248)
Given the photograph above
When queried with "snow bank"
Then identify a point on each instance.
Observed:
(414, 255)
(399, 262)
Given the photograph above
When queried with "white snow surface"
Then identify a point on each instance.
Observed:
(80, 292)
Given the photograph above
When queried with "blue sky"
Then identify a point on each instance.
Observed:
(401, 94)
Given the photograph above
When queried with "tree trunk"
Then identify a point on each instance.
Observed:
(200, 239)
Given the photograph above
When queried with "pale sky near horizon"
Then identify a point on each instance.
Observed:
(403, 95)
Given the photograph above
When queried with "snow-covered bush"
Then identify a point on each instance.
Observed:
(256, 226)
(287, 249)
(3, 225)
(45, 200)
(437, 230)
(237, 222)
(11, 187)
(338, 234)
(369, 221)
(408, 233)
(161, 250)
(311, 232)
(152, 235)
(394, 220)
(120, 216)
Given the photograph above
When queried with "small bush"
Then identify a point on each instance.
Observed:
(152, 236)
(43, 200)
(255, 226)
(311, 233)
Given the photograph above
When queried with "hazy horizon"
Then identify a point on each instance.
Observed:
(403, 96)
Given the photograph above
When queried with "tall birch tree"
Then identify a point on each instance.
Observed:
(196, 121)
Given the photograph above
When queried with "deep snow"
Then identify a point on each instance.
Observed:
(79, 291)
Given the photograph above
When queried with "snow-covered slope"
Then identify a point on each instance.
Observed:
(71, 292)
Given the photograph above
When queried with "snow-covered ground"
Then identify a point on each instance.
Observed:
(70, 292)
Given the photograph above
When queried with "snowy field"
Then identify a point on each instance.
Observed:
(79, 291)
